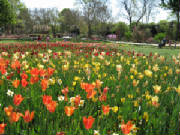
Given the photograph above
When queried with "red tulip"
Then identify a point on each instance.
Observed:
(88, 122)
(47, 99)
(34, 72)
(24, 76)
(24, 83)
(28, 116)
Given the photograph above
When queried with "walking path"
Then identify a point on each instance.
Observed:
(131, 43)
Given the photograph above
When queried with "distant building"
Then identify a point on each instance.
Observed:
(41, 28)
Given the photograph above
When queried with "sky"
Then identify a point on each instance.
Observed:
(60, 4)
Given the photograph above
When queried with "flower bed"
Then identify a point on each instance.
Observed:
(80, 89)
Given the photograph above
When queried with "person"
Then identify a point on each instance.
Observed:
(163, 43)
(170, 42)
(39, 38)
(47, 38)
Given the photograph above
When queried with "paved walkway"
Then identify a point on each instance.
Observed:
(131, 43)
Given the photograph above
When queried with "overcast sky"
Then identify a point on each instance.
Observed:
(60, 4)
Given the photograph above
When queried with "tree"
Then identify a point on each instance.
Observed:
(24, 22)
(5, 13)
(16, 6)
(150, 7)
(94, 11)
(68, 19)
(120, 29)
(174, 6)
(135, 10)
(44, 20)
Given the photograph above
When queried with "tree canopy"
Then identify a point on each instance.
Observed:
(6, 15)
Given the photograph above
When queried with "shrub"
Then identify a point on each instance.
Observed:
(128, 35)
(159, 37)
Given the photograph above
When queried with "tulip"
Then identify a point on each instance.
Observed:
(24, 83)
(28, 116)
(51, 106)
(14, 117)
(47, 99)
(69, 110)
(8, 110)
(16, 83)
(2, 126)
(18, 99)
(126, 128)
(88, 122)
(106, 109)
(44, 84)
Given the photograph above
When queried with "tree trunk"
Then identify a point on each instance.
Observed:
(130, 24)
(178, 27)
(89, 30)
(178, 24)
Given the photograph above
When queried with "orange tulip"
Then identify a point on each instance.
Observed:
(2, 126)
(3, 65)
(44, 84)
(88, 122)
(24, 83)
(65, 92)
(50, 71)
(91, 94)
(87, 87)
(47, 99)
(105, 109)
(8, 110)
(98, 84)
(69, 110)
(51, 106)
(15, 64)
(28, 116)
(17, 99)
(16, 83)
(14, 117)
(83, 85)
(126, 128)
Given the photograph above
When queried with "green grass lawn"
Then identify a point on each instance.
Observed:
(166, 51)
